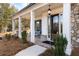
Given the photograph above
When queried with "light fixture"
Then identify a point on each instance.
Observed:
(37, 22)
(49, 10)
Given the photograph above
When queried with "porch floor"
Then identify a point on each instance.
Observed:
(39, 41)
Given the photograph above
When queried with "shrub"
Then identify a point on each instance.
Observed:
(60, 45)
(24, 36)
(8, 36)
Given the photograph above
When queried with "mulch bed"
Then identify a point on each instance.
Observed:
(49, 52)
(75, 51)
(11, 47)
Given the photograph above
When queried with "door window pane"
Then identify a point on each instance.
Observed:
(55, 24)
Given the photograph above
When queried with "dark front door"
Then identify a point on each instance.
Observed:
(37, 27)
(55, 24)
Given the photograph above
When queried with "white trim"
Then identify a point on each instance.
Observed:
(60, 22)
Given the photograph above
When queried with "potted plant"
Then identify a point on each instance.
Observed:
(60, 45)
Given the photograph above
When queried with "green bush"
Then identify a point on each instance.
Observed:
(24, 37)
(60, 45)
(8, 36)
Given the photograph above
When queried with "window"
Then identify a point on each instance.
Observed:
(37, 27)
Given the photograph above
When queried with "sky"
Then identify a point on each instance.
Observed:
(19, 6)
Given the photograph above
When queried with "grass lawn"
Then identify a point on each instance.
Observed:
(11, 47)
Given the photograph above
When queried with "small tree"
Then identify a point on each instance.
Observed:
(6, 11)
(24, 36)
(8, 36)
(60, 45)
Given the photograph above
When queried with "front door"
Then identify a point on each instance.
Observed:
(56, 24)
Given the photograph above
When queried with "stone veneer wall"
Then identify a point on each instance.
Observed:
(75, 24)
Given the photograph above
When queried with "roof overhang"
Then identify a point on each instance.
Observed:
(28, 9)
(39, 9)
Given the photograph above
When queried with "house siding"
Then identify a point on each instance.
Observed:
(44, 26)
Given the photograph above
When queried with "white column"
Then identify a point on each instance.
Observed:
(67, 25)
(13, 25)
(32, 26)
(19, 28)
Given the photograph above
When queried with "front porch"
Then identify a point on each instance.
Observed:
(40, 12)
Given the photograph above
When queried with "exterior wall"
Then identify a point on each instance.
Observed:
(44, 26)
(44, 19)
(75, 25)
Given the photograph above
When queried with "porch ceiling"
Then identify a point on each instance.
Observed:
(55, 8)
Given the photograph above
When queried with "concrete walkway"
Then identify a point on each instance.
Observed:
(34, 50)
